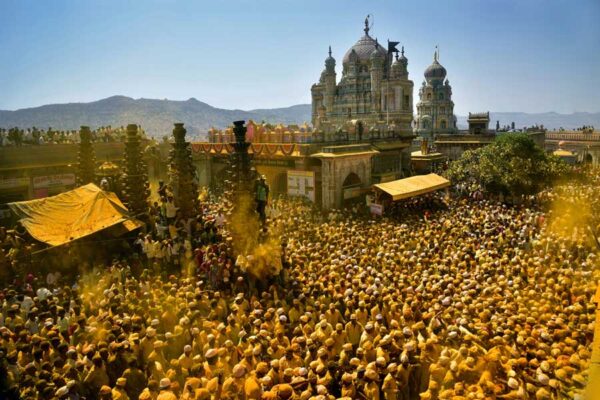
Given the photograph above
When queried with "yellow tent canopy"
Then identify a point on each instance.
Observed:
(72, 215)
(413, 186)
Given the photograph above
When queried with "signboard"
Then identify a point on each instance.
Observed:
(12, 183)
(376, 209)
(275, 163)
(301, 183)
(41, 182)
(352, 192)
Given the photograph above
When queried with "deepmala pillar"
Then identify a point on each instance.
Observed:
(86, 171)
(136, 189)
(183, 174)
(242, 175)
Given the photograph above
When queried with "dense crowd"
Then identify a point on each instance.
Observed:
(34, 136)
(458, 299)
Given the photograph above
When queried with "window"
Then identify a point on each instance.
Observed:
(428, 96)
(443, 124)
(406, 104)
(441, 96)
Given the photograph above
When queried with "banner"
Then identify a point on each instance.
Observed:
(301, 183)
(12, 183)
(256, 148)
(40, 182)
(287, 149)
(196, 147)
(376, 209)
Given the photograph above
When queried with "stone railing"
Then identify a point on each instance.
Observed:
(574, 136)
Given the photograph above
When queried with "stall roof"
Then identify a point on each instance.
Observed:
(72, 215)
(413, 186)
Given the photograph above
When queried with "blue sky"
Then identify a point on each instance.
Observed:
(511, 55)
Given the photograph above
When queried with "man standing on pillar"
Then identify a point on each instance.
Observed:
(262, 197)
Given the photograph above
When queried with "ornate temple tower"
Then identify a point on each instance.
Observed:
(86, 171)
(182, 176)
(329, 80)
(368, 93)
(136, 189)
(376, 70)
(435, 110)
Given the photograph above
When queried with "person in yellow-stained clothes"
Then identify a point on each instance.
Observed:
(371, 389)
(118, 392)
(165, 392)
(235, 384)
(390, 385)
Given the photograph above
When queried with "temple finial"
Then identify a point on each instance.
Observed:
(402, 50)
(329, 51)
(367, 25)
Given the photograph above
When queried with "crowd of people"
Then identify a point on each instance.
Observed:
(34, 136)
(461, 299)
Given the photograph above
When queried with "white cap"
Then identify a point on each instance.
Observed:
(165, 383)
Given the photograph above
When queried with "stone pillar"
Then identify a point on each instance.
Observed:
(86, 171)
(135, 180)
(183, 175)
(242, 176)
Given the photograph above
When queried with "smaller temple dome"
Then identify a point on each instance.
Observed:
(402, 58)
(352, 57)
(330, 61)
(375, 54)
(435, 71)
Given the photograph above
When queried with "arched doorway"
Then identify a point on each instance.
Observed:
(351, 190)
(351, 180)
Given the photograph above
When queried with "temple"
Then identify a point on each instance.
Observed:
(374, 89)
(435, 109)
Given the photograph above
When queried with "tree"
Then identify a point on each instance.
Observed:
(512, 165)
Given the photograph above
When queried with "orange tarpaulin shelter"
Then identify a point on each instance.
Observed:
(72, 215)
(413, 186)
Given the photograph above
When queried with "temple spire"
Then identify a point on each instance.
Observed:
(329, 51)
(367, 25)
(403, 51)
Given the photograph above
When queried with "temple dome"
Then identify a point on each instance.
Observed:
(435, 71)
(397, 68)
(330, 61)
(363, 49)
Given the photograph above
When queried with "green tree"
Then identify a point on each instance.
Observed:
(512, 165)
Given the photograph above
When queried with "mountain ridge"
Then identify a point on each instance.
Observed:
(157, 116)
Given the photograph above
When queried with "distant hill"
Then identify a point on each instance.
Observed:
(550, 120)
(155, 116)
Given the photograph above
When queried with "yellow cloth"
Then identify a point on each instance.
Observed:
(72, 215)
(413, 186)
